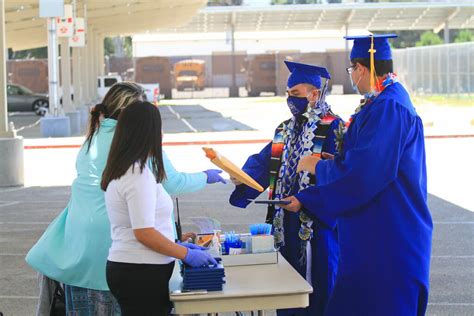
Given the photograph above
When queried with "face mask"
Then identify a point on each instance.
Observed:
(297, 105)
(355, 85)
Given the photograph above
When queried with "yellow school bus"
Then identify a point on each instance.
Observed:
(190, 73)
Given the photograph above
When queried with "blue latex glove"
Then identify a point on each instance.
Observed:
(192, 246)
(198, 258)
(213, 176)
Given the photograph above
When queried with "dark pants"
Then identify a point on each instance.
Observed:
(140, 289)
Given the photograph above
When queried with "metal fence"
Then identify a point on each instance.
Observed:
(439, 69)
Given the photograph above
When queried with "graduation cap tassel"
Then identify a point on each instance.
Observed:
(372, 64)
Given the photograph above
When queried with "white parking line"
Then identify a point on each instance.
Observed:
(453, 223)
(451, 304)
(25, 223)
(182, 119)
(9, 203)
(18, 297)
(13, 189)
(452, 257)
(12, 254)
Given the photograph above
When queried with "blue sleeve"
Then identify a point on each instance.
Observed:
(181, 182)
(258, 167)
(329, 145)
(369, 166)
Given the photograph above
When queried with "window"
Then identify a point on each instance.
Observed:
(12, 90)
(24, 90)
(108, 82)
(187, 73)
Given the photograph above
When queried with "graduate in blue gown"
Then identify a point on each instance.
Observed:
(308, 244)
(375, 191)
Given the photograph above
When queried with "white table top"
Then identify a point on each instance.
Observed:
(252, 287)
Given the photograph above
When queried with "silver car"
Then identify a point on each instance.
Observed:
(20, 98)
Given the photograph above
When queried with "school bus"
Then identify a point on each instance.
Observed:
(190, 73)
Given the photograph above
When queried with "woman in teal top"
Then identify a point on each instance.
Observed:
(73, 250)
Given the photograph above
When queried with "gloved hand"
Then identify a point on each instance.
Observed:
(192, 246)
(198, 258)
(213, 176)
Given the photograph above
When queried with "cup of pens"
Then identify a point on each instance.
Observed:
(232, 243)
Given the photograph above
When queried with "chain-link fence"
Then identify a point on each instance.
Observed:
(440, 69)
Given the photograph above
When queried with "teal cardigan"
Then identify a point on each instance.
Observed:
(74, 247)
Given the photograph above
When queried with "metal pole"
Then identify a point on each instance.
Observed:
(66, 75)
(77, 73)
(53, 67)
(446, 33)
(234, 90)
(4, 131)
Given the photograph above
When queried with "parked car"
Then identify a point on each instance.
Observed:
(20, 98)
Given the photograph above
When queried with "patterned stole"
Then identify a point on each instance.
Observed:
(277, 150)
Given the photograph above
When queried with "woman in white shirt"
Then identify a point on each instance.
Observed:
(142, 255)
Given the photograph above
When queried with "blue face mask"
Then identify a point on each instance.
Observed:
(297, 105)
(355, 85)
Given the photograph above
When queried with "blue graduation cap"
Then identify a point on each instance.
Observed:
(304, 73)
(362, 46)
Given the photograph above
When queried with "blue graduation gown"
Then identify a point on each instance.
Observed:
(324, 244)
(377, 194)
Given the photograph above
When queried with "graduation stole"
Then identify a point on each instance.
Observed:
(287, 147)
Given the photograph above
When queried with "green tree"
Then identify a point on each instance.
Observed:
(429, 38)
(464, 36)
(109, 48)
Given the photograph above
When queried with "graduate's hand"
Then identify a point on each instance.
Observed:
(294, 206)
(327, 156)
(235, 181)
(308, 164)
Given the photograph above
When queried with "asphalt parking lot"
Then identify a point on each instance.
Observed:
(26, 212)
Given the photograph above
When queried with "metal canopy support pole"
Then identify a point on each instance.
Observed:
(4, 130)
(100, 54)
(77, 76)
(234, 90)
(53, 67)
(87, 68)
(66, 75)
(11, 147)
(446, 32)
(91, 75)
(97, 61)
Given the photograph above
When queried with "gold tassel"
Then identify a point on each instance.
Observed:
(372, 64)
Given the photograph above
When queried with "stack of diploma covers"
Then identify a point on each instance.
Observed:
(208, 278)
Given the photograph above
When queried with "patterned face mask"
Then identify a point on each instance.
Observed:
(297, 105)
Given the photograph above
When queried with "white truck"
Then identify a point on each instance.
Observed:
(104, 83)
